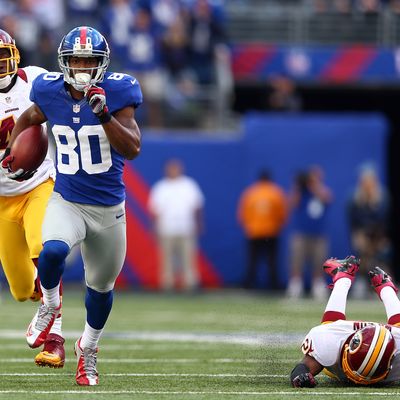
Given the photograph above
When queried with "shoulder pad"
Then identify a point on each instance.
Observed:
(45, 87)
(22, 74)
(28, 74)
(123, 90)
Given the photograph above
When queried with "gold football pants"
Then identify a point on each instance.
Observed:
(21, 237)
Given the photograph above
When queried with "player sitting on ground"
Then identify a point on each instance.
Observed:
(363, 353)
(23, 201)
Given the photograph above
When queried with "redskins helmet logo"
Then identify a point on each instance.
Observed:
(367, 357)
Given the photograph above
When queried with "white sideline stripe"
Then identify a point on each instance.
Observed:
(126, 347)
(141, 375)
(155, 360)
(294, 392)
(250, 338)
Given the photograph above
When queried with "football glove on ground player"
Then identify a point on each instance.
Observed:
(96, 97)
(301, 377)
(19, 175)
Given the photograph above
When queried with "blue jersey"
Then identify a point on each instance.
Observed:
(89, 170)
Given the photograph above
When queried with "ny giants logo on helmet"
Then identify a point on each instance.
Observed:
(367, 357)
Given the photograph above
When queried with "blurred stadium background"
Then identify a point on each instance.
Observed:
(340, 63)
(212, 110)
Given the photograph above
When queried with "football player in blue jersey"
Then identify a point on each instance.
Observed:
(91, 113)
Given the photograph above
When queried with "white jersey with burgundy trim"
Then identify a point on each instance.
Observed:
(12, 105)
(324, 343)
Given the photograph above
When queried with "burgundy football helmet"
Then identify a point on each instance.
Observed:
(367, 356)
(12, 61)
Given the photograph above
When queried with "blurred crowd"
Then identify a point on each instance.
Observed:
(353, 6)
(325, 6)
(321, 6)
(177, 49)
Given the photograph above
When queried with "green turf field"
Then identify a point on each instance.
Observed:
(217, 345)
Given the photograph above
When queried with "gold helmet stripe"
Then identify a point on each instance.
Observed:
(381, 353)
(374, 351)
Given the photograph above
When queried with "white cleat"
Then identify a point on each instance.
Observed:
(86, 372)
(41, 324)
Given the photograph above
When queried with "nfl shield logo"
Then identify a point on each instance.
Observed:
(76, 108)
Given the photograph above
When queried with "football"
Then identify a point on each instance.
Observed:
(29, 149)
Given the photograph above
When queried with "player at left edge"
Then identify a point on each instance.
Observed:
(23, 201)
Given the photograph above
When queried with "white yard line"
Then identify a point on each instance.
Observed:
(250, 338)
(151, 346)
(295, 393)
(160, 360)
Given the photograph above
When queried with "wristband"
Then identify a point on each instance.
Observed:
(298, 370)
(104, 117)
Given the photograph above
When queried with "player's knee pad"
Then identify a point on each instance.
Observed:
(52, 257)
(54, 252)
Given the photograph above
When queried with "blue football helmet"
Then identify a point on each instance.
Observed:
(83, 41)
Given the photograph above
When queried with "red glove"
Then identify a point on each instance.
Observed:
(96, 97)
